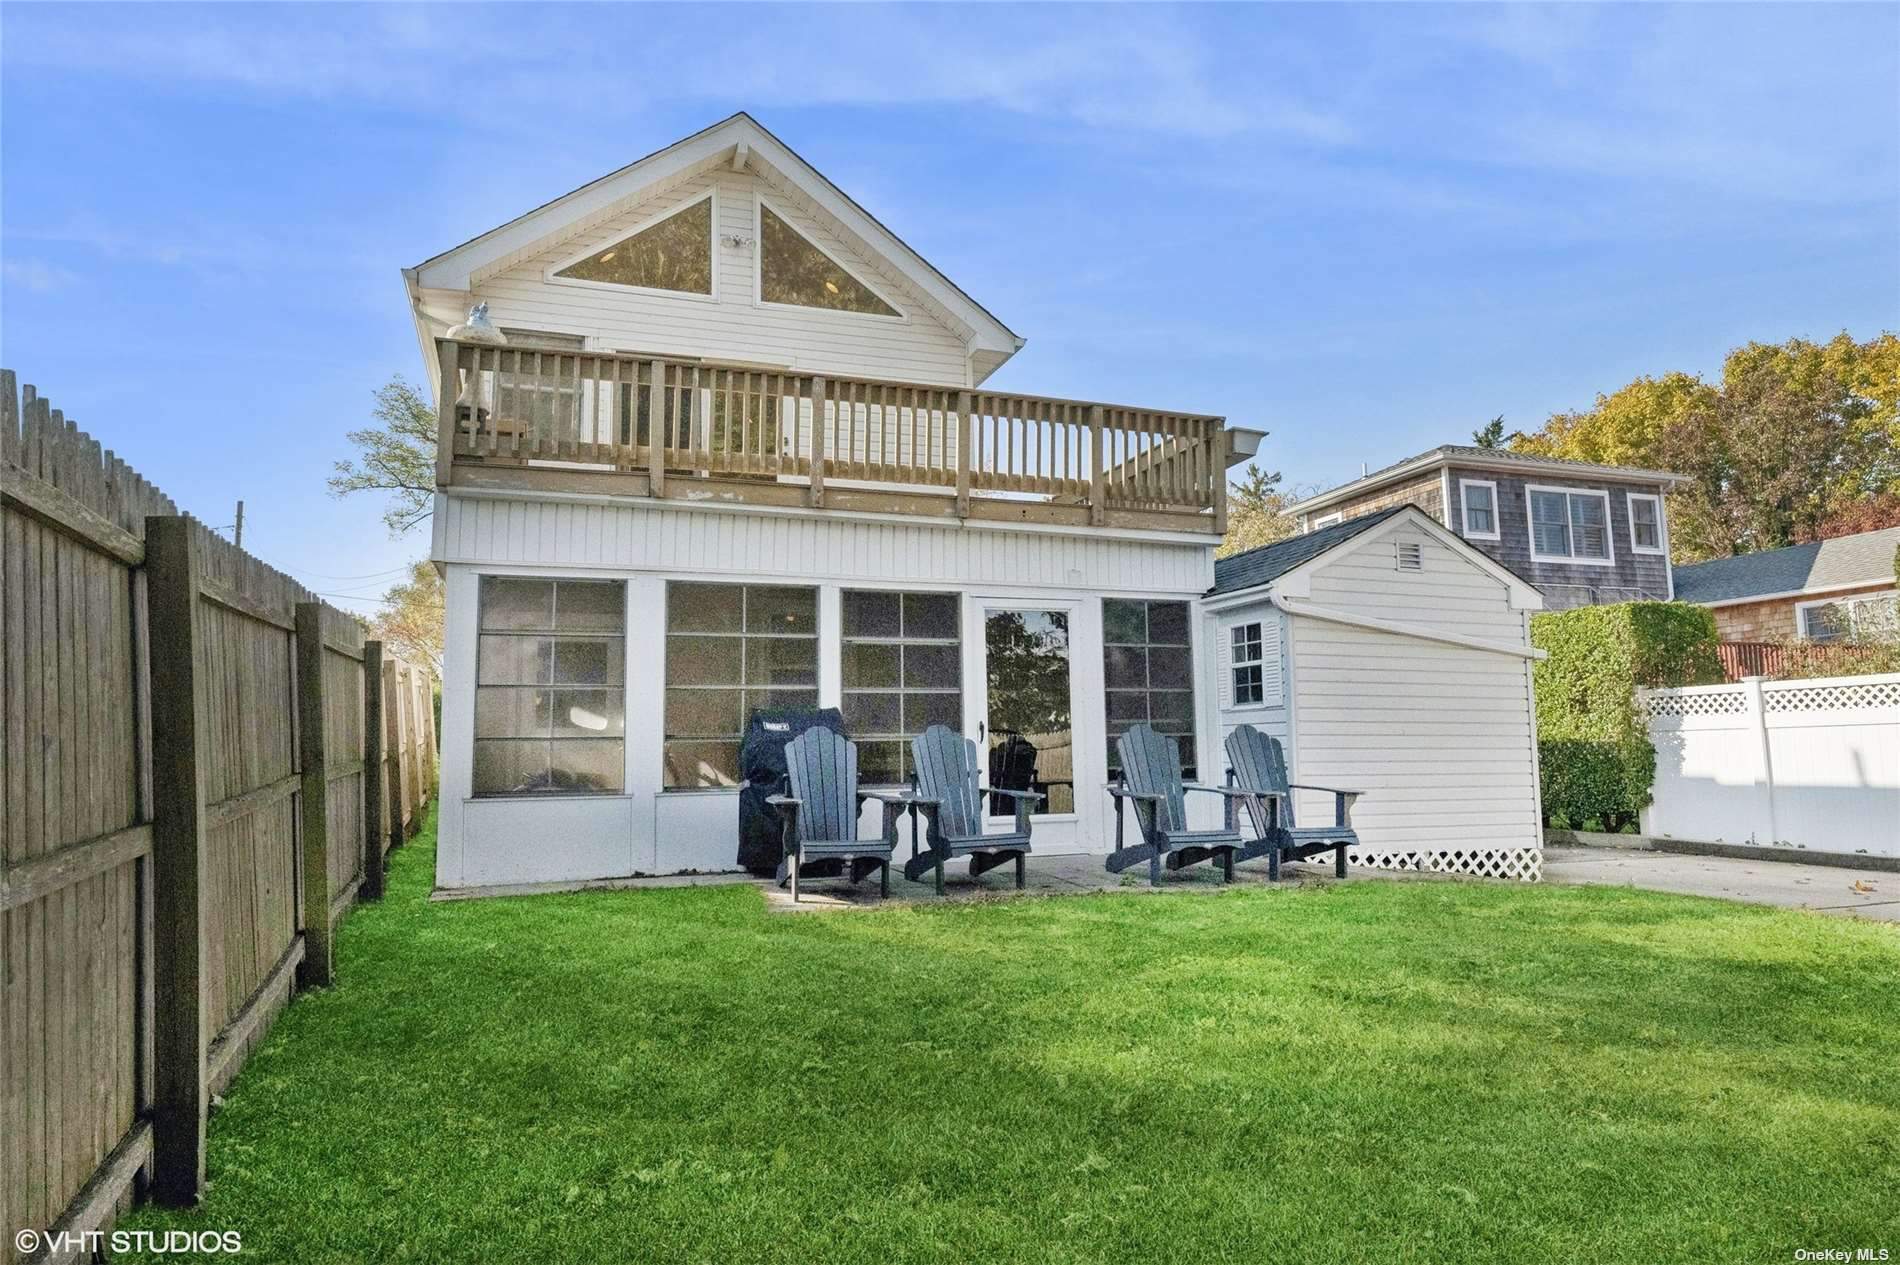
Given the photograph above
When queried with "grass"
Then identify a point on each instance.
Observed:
(1379, 1070)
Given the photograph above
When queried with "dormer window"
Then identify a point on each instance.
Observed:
(673, 253)
(795, 272)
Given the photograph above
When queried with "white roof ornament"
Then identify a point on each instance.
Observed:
(478, 328)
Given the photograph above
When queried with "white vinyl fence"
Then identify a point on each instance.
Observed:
(1808, 764)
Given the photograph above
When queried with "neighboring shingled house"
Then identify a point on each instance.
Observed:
(1831, 590)
(1583, 534)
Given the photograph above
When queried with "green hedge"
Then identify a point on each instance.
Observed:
(1593, 748)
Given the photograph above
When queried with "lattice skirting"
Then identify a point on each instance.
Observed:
(1526, 864)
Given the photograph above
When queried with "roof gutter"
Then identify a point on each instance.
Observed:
(1521, 465)
(1332, 616)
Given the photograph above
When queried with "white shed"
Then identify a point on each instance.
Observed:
(1390, 657)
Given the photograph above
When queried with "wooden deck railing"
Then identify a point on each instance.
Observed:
(783, 437)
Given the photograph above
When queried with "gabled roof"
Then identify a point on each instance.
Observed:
(741, 140)
(1482, 458)
(1821, 567)
(1269, 562)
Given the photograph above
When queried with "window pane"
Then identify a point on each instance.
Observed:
(1550, 523)
(1125, 667)
(696, 764)
(872, 615)
(881, 764)
(508, 602)
(704, 607)
(513, 659)
(873, 713)
(589, 606)
(933, 667)
(1124, 623)
(1170, 670)
(592, 767)
(1644, 529)
(792, 270)
(1168, 623)
(1175, 705)
(781, 610)
(1128, 705)
(705, 713)
(921, 711)
(781, 661)
(675, 254)
(1478, 516)
(589, 661)
(1589, 526)
(870, 666)
(932, 615)
(511, 712)
(588, 713)
(505, 767)
(703, 660)
(756, 699)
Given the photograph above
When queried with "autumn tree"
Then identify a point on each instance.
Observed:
(396, 456)
(410, 622)
(1257, 511)
(1873, 514)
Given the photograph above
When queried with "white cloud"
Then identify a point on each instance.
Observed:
(37, 275)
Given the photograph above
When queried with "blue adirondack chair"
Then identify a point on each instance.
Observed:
(821, 810)
(952, 803)
(1257, 769)
(1151, 780)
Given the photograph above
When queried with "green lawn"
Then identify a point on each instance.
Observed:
(1374, 1071)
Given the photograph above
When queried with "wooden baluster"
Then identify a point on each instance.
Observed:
(656, 415)
(965, 403)
(448, 358)
(819, 424)
(1098, 485)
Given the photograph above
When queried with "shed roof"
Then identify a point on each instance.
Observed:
(1824, 565)
(1494, 458)
(1270, 562)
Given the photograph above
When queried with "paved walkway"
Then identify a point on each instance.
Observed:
(1860, 893)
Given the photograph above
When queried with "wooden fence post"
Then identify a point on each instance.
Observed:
(314, 803)
(392, 724)
(178, 863)
(965, 403)
(1098, 495)
(372, 770)
(656, 427)
(815, 494)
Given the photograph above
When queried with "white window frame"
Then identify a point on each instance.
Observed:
(1569, 559)
(760, 204)
(1464, 511)
(1327, 520)
(1236, 635)
(550, 273)
(1801, 609)
(1662, 525)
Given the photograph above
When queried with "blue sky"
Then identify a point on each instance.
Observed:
(1366, 229)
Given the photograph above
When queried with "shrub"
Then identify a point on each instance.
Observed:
(1593, 746)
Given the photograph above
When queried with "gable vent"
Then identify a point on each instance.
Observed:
(1411, 556)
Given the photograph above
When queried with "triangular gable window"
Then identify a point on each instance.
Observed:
(792, 270)
(675, 254)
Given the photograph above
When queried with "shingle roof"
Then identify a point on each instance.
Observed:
(1472, 453)
(1270, 562)
(1866, 558)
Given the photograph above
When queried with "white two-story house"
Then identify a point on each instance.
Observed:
(737, 451)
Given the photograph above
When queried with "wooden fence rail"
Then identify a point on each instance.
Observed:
(194, 755)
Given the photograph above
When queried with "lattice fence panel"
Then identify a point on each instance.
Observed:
(1723, 703)
(1831, 698)
(1525, 864)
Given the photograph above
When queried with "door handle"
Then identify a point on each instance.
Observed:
(981, 733)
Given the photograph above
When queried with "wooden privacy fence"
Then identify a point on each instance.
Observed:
(1741, 659)
(203, 768)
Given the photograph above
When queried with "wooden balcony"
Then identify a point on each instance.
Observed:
(579, 421)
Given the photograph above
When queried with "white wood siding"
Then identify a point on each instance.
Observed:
(731, 325)
(655, 537)
(1449, 594)
(1439, 737)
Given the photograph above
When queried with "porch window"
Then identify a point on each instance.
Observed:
(731, 649)
(903, 672)
(673, 254)
(792, 270)
(1247, 665)
(1148, 668)
(1569, 526)
(550, 691)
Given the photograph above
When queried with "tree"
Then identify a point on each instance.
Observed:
(1256, 511)
(397, 456)
(1872, 514)
(1491, 434)
(1624, 428)
(410, 623)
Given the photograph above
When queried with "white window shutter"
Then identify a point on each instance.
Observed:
(1224, 653)
(1272, 693)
